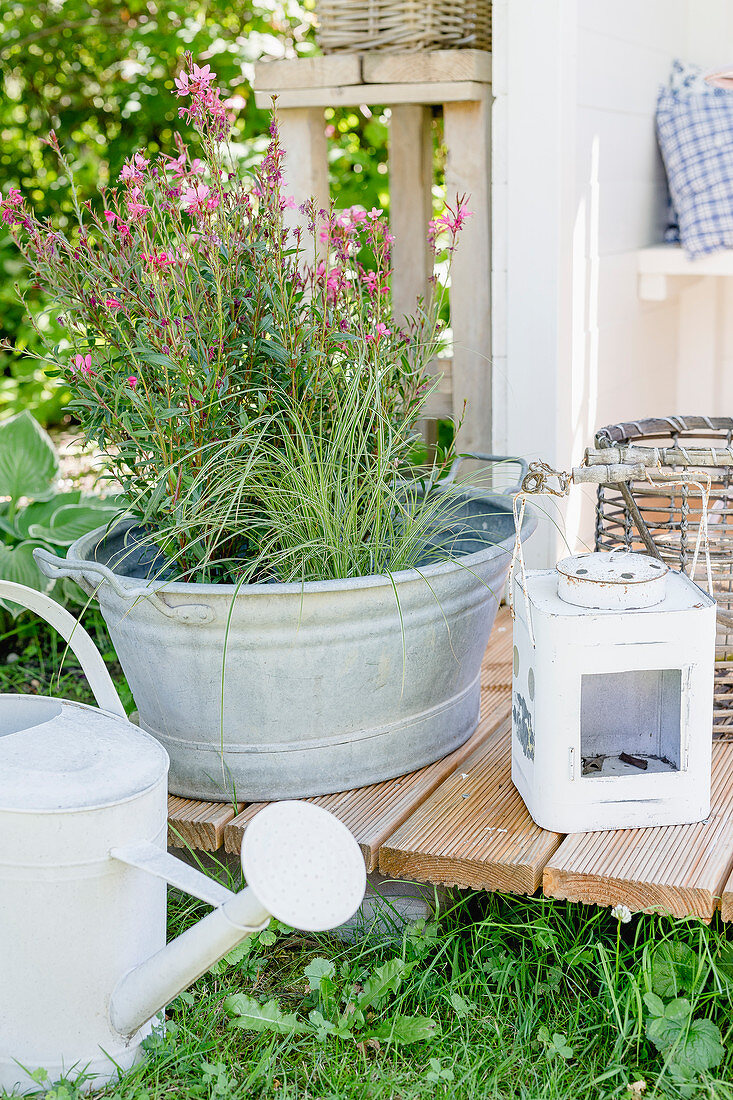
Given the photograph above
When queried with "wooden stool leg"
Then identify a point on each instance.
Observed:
(468, 171)
(303, 137)
(410, 209)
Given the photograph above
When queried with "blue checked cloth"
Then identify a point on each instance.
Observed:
(695, 131)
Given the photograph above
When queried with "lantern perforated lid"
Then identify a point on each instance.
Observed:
(612, 580)
(61, 756)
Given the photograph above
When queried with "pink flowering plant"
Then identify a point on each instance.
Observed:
(200, 326)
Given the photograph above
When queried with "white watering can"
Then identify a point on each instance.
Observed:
(84, 966)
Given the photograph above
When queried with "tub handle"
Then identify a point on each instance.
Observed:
(52, 566)
(479, 456)
(79, 642)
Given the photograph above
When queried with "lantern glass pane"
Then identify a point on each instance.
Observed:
(630, 722)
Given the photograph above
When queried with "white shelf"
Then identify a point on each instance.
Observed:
(666, 269)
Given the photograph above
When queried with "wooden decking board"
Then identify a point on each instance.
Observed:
(374, 812)
(680, 869)
(726, 902)
(198, 825)
(474, 831)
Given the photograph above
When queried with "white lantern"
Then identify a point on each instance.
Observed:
(612, 694)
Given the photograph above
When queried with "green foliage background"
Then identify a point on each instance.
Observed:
(101, 75)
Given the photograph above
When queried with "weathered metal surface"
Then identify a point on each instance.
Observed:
(611, 580)
(289, 690)
(601, 689)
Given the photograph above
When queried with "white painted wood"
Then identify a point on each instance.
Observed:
(307, 72)
(458, 91)
(419, 66)
(670, 259)
(410, 204)
(467, 128)
(303, 137)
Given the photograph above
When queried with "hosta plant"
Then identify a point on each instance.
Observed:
(34, 513)
(198, 323)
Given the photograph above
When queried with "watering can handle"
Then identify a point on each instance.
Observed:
(479, 456)
(80, 644)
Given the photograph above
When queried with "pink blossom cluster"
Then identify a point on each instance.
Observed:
(206, 110)
(449, 223)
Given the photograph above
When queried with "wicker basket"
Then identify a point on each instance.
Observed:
(350, 26)
(670, 517)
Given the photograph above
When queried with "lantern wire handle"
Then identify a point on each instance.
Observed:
(537, 483)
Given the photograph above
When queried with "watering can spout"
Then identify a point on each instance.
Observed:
(302, 866)
(148, 988)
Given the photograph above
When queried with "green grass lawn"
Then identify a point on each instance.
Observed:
(519, 997)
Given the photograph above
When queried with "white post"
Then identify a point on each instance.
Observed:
(303, 137)
(468, 172)
(410, 200)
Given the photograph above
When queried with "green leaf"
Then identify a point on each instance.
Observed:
(703, 1046)
(323, 1027)
(684, 1078)
(267, 938)
(70, 522)
(41, 511)
(17, 564)
(461, 1006)
(654, 1003)
(666, 1028)
(406, 1029)
(386, 979)
(250, 1015)
(28, 462)
(316, 970)
(674, 969)
(558, 1046)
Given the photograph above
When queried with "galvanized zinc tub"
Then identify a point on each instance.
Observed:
(319, 687)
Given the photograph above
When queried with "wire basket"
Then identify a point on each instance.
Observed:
(666, 518)
(350, 26)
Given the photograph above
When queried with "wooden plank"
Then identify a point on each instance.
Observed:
(307, 72)
(374, 812)
(678, 869)
(305, 168)
(726, 902)
(410, 205)
(198, 825)
(422, 66)
(458, 91)
(467, 129)
(474, 831)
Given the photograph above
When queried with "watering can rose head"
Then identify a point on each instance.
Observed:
(199, 315)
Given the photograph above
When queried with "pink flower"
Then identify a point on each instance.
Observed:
(195, 199)
(83, 364)
(9, 207)
(181, 83)
(382, 330)
(203, 76)
(374, 213)
(132, 170)
(113, 303)
(132, 381)
(159, 260)
(136, 210)
(110, 216)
